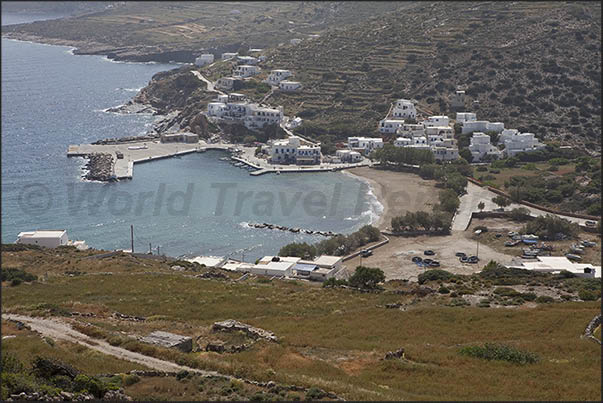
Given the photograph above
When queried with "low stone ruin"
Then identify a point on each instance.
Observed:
(169, 340)
(122, 316)
(394, 355)
(231, 325)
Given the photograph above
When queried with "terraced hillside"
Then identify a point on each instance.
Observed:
(164, 31)
(533, 66)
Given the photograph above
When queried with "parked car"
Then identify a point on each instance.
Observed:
(366, 253)
(497, 235)
(427, 261)
(512, 234)
(589, 244)
(512, 243)
(460, 254)
(573, 257)
(473, 259)
(429, 252)
(434, 263)
(590, 223)
(417, 259)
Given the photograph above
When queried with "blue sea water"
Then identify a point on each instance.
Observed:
(195, 204)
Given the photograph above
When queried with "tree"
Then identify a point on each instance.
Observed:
(366, 277)
(449, 201)
(249, 139)
(501, 201)
(423, 219)
(466, 154)
(481, 206)
(302, 250)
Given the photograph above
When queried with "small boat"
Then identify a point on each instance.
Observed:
(143, 147)
(224, 159)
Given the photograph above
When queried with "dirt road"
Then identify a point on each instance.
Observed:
(59, 330)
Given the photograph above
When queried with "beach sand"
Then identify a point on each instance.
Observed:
(398, 192)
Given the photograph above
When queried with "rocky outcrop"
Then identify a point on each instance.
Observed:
(231, 325)
(394, 355)
(115, 395)
(592, 325)
(122, 316)
(100, 167)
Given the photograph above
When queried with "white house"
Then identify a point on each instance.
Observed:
(411, 130)
(404, 108)
(557, 264)
(462, 117)
(247, 60)
(229, 55)
(291, 150)
(246, 70)
(217, 109)
(49, 239)
(259, 116)
(365, 145)
(276, 76)
(209, 261)
(442, 153)
(236, 97)
(271, 266)
(436, 121)
(390, 125)
(482, 126)
(205, 58)
(507, 134)
(348, 156)
(402, 142)
(293, 123)
(457, 101)
(521, 142)
(289, 86)
(497, 127)
(480, 146)
(446, 132)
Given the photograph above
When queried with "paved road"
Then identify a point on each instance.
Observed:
(476, 193)
(60, 330)
(210, 85)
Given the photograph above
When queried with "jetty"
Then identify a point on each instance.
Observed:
(291, 229)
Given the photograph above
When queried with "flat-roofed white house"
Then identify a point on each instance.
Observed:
(248, 60)
(404, 108)
(276, 76)
(443, 153)
(271, 266)
(217, 109)
(557, 264)
(246, 70)
(49, 239)
(293, 151)
(209, 261)
(365, 145)
(436, 121)
(446, 132)
(390, 125)
(520, 143)
(348, 156)
(205, 58)
(321, 268)
(482, 126)
(480, 146)
(402, 142)
(260, 116)
(497, 127)
(462, 117)
(226, 83)
(229, 55)
(289, 86)
(411, 130)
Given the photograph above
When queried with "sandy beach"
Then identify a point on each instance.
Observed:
(398, 192)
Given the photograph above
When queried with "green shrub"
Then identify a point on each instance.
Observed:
(11, 274)
(528, 296)
(434, 274)
(366, 277)
(506, 292)
(10, 363)
(333, 282)
(587, 295)
(93, 385)
(501, 352)
(315, 393)
(443, 290)
(130, 380)
(544, 299)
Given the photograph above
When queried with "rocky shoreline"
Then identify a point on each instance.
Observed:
(294, 230)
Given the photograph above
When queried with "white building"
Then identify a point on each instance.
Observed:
(226, 83)
(557, 264)
(206, 58)
(482, 126)
(292, 151)
(49, 239)
(442, 153)
(365, 145)
(321, 268)
(247, 60)
(295, 41)
(209, 261)
(246, 70)
(462, 117)
(289, 86)
(271, 266)
(445, 132)
(276, 76)
(402, 142)
(480, 146)
(521, 142)
(217, 109)
(411, 130)
(436, 121)
(390, 125)
(404, 108)
(229, 55)
(293, 123)
(259, 116)
(237, 97)
(348, 156)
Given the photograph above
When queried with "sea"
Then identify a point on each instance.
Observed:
(192, 205)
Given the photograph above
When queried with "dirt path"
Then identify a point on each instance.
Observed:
(60, 330)
(210, 85)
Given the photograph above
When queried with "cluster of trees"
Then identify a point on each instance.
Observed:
(337, 246)
(17, 276)
(549, 226)
(364, 277)
(438, 221)
(452, 175)
(398, 156)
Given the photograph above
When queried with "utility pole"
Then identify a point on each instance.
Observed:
(132, 239)
(477, 252)
(150, 249)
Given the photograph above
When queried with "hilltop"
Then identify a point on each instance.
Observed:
(180, 31)
(534, 66)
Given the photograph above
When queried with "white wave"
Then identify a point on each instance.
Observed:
(244, 224)
(129, 89)
(351, 218)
